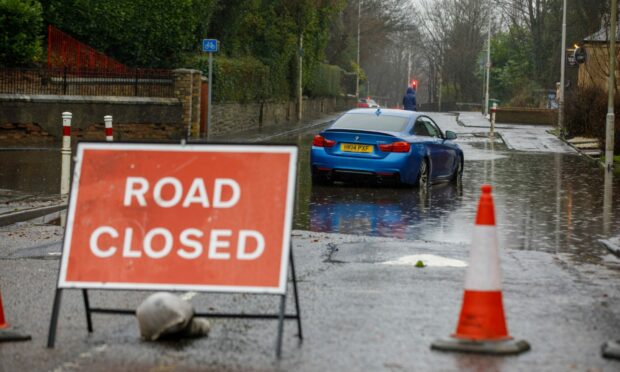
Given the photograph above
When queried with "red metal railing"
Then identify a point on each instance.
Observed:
(65, 51)
(74, 68)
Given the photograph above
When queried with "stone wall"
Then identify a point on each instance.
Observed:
(139, 118)
(236, 117)
(41, 115)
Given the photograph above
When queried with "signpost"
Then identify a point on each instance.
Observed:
(213, 218)
(210, 46)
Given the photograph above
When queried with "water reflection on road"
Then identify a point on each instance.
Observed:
(400, 213)
(31, 171)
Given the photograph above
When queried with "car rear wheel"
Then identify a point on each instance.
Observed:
(423, 175)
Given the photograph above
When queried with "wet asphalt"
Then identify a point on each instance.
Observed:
(364, 306)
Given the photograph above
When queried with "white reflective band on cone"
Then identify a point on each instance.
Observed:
(483, 273)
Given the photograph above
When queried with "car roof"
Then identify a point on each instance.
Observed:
(385, 111)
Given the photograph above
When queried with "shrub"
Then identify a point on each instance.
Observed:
(585, 115)
(325, 81)
(236, 80)
(21, 23)
(138, 33)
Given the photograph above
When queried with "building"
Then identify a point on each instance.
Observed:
(594, 72)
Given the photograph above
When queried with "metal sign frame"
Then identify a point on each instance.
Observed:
(281, 291)
(210, 46)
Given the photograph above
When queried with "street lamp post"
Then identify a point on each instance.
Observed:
(488, 65)
(357, 78)
(562, 68)
(611, 89)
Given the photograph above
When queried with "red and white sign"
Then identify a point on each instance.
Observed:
(180, 217)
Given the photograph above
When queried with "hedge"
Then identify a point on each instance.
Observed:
(247, 79)
(586, 110)
(238, 80)
(325, 81)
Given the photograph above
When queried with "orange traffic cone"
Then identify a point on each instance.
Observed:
(5, 333)
(482, 325)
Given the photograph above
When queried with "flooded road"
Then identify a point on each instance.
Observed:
(35, 171)
(552, 202)
(544, 202)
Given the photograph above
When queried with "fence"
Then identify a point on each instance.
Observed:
(64, 50)
(87, 82)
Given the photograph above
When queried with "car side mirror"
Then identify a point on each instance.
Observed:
(450, 135)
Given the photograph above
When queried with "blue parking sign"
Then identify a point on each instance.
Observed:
(210, 45)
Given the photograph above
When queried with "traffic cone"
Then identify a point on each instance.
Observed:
(5, 333)
(482, 325)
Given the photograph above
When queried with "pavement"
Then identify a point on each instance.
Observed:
(17, 206)
(364, 306)
(519, 137)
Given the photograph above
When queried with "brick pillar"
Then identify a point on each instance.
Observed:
(196, 87)
(187, 90)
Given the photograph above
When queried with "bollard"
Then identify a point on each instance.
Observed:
(65, 175)
(493, 111)
(65, 171)
(108, 128)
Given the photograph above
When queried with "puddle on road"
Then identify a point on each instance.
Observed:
(429, 260)
(49, 251)
(32, 171)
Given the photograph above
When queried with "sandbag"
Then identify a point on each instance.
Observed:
(164, 314)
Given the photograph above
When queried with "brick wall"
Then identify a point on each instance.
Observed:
(521, 115)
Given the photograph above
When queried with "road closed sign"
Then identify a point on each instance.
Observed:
(180, 217)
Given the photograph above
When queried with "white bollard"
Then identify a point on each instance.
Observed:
(65, 173)
(108, 128)
(493, 111)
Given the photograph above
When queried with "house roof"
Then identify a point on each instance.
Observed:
(602, 36)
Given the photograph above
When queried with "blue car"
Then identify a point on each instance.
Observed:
(406, 147)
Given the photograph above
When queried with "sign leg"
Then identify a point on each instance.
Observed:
(89, 320)
(51, 336)
(296, 295)
(280, 325)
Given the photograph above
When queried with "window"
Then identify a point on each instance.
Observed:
(371, 122)
(432, 128)
(419, 129)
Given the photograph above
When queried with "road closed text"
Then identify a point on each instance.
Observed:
(190, 243)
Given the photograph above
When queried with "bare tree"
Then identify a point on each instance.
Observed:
(388, 36)
(453, 38)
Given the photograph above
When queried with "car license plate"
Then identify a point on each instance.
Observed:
(354, 147)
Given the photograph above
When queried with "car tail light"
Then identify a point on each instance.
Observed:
(320, 141)
(400, 146)
(362, 104)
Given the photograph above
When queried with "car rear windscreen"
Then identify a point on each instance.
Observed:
(371, 122)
